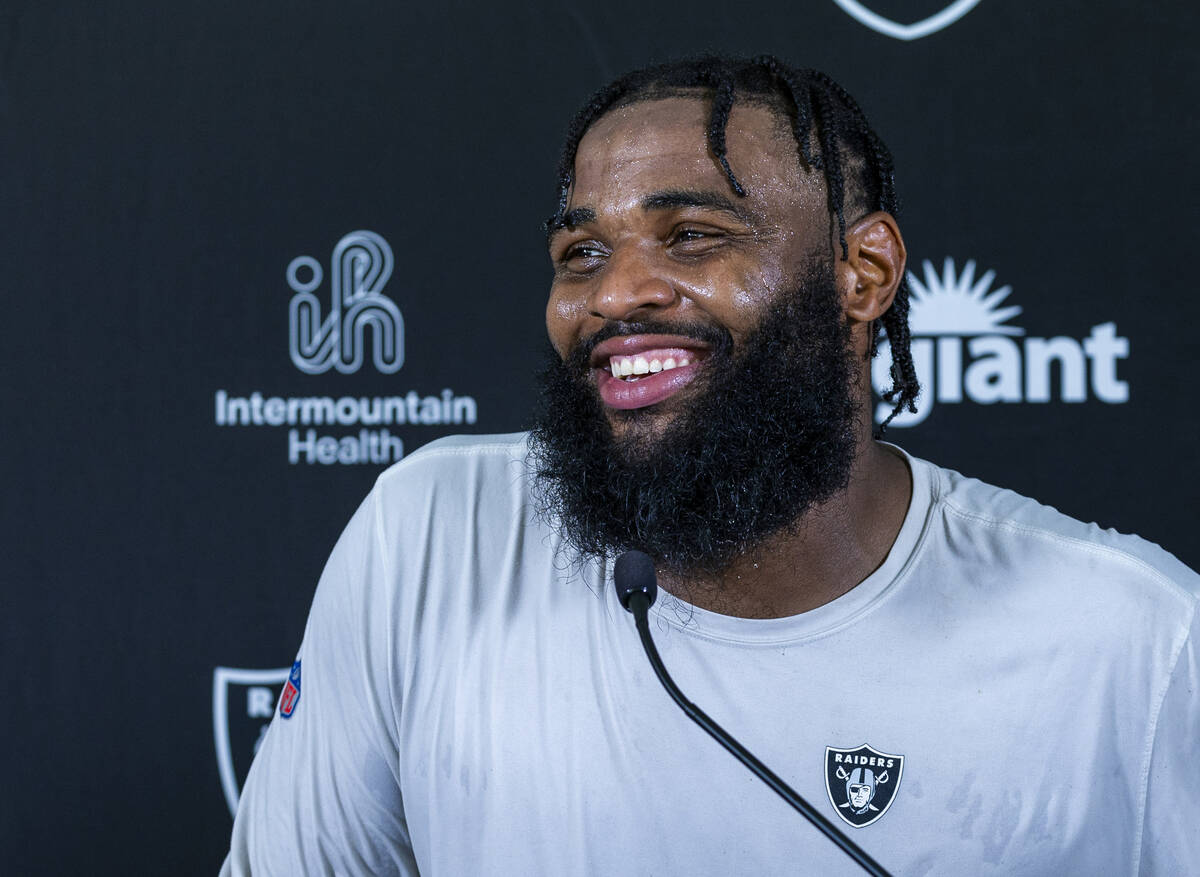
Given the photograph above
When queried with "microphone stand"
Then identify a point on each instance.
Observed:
(639, 605)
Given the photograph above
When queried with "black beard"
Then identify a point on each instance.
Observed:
(772, 435)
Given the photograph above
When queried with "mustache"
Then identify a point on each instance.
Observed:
(719, 339)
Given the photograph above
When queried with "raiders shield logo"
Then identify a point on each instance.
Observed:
(940, 19)
(862, 783)
(243, 702)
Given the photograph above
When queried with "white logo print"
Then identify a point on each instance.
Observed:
(360, 268)
(887, 27)
(243, 702)
(953, 314)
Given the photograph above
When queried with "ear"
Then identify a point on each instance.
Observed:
(873, 268)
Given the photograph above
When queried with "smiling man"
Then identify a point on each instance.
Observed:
(754, 420)
(470, 697)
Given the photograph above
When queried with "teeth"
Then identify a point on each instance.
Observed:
(634, 366)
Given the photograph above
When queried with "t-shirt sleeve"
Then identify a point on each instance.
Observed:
(1171, 827)
(323, 794)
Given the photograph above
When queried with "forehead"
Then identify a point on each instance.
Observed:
(662, 144)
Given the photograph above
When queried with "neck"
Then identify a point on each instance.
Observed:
(830, 549)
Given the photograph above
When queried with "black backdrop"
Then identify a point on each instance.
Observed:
(163, 164)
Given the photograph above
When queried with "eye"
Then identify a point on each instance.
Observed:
(693, 240)
(583, 251)
(581, 257)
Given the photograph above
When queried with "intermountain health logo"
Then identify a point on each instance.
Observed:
(939, 19)
(965, 350)
(360, 268)
(359, 320)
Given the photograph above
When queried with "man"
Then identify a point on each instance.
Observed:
(472, 699)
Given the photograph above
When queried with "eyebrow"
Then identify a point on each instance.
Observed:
(676, 198)
(578, 216)
(570, 219)
(671, 199)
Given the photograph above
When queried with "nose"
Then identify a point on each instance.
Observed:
(631, 281)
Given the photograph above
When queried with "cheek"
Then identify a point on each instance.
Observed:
(736, 298)
(563, 315)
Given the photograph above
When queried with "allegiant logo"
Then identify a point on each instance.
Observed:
(964, 350)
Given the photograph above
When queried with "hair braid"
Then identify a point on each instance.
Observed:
(827, 119)
(801, 98)
(718, 122)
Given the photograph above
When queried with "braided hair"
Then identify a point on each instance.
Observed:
(857, 167)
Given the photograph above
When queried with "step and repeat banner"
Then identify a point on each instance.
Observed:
(255, 253)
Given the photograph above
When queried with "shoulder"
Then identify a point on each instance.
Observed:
(456, 461)
(1025, 539)
(454, 492)
(455, 451)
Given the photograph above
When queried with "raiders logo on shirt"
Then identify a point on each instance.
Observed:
(862, 782)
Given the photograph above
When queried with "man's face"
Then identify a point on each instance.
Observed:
(656, 235)
(749, 417)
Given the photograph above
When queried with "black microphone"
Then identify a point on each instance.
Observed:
(637, 588)
(634, 574)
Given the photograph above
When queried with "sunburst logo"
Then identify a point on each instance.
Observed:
(959, 305)
(964, 350)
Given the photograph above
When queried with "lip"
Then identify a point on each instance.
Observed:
(630, 345)
(649, 389)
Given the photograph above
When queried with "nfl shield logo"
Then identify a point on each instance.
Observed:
(862, 782)
(243, 704)
(291, 692)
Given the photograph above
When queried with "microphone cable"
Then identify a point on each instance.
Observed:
(637, 589)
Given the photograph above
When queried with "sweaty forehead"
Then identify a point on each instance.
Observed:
(662, 143)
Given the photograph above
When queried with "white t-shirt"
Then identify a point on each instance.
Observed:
(472, 702)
